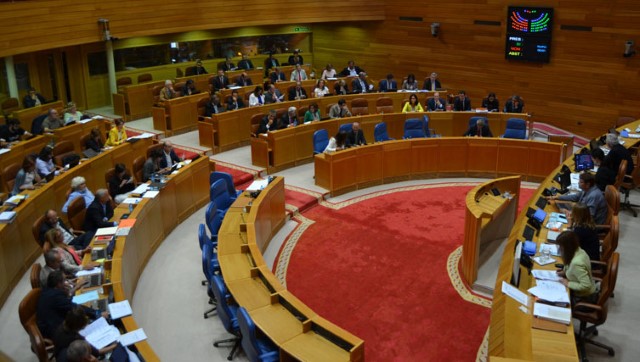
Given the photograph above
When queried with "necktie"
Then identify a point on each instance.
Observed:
(260, 99)
(479, 131)
(299, 77)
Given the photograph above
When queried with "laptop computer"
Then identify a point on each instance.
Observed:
(98, 253)
(541, 203)
(50, 176)
(583, 162)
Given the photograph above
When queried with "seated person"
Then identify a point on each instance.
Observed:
(257, 97)
(72, 114)
(340, 88)
(328, 72)
(27, 177)
(270, 63)
(227, 65)
(151, 165)
(71, 259)
(99, 213)
(117, 134)
(606, 174)
(78, 351)
(360, 84)
(78, 189)
(618, 153)
(298, 74)
(189, 88)
(220, 81)
(197, 70)
(169, 157)
(12, 132)
(589, 195)
(491, 103)
(356, 137)
(321, 89)
(410, 83)
(273, 95)
(413, 105)
(436, 104)
(388, 85)
(213, 106)
(69, 332)
(462, 102)
(121, 184)
(289, 119)
(245, 63)
(351, 70)
(44, 162)
(312, 114)
(514, 104)
(167, 92)
(269, 122)
(234, 102)
(339, 142)
(53, 121)
(51, 221)
(296, 58)
(582, 224)
(243, 80)
(277, 76)
(297, 92)
(479, 130)
(339, 110)
(95, 140)
(432, 83)
(33, 99)
(54, 304)
(52, 263)
(576, 273)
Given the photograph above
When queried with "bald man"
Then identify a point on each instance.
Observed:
(169, 157)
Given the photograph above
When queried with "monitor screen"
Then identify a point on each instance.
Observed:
(529, 33)
(583, 162)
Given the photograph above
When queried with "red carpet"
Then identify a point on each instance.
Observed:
(300, 199)
(378, 269)
(240, 177)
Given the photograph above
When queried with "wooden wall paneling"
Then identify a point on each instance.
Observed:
(513, 157)
(369, 165)
(425, 155)
(395, 165)
(453, 157)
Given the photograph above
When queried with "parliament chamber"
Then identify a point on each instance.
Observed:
(584, 89)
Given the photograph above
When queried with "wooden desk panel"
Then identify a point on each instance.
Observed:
(369, 165)
(394, 165)
(483, 157)
(138, 99)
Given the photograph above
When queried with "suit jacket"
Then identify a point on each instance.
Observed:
(94, 145)
(51, 309)
(356, 86)
(172, 154)
(275, 77)
(96, 215)
(263, 125)
(46, 227)
(227, 67)
(491, 106)
(356, 138)
(285, 121)
(619, 153)
(268, 63)
(338, 91)
(427, 84)
(220, 84)
(244, 82)
(209, 109)
(245, 64)
(195, 71)
(166, 94)
(271, 98)
(292, 60)
(473, 131)
(509, 108)
(302, 74)
(345, 72)
(431, 105)
(579, 274)
(458, 106)
(386, 85)
(293, 93)
(594, 200)
(28, 102)
(231, 105)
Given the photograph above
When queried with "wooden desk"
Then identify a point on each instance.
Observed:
(299, 332)
(27, 115)
(178, 114)
(135, 101)
(392, 161)
(75, 132)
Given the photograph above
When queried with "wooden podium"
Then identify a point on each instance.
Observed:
(488, 221)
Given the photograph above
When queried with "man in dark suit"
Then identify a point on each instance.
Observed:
(618, 153)
(273, 95)
(297, 92)
(51, 221)
(243, 80)
(388, 85)
(227, 65)
(436, 103)
(213, 106)
(356, 136)
(296, 58)
(269, 63)
(196, 70)
(481, 129)
(432, 83)
(269, 122)
(277, 76)
(33, 99)
(462, 102)
(351, 70)
(169, 157)
(514, 104)
(360, 85)
(220, 81)
(234, 101)
(289, 119)
(99, 213)
(245, 63)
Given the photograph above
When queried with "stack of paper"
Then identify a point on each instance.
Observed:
(515, 293)
(96, 270)
(132, 337)
(120, 309)
(553, 249)
(132, 200)
(106, 231)
(140, 189)
(555, 314)
(100, 334)
(15, 200)
(7, 217)
(545, 275)
(150, 194)
(125, 226)
(551, 291)
(258, 185)
(86, 297)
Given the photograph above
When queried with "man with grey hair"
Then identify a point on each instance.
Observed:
(618, 153)
(78, 189)
(290, 119)
(169, 157)
(167, 92)
(99, 213)
(80, 351)
(51, 221)
(273, 95)
(480, 129)
(53, 121)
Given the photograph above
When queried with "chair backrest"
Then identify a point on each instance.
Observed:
(9, 174)
(225, 312)
(414, 128)
(36, 124)
(35, 275)
(123, 81)
(62, 147)
(622, 170)
(27, 313)
(213, 220)
(516, 128)
(146, 77)
(474, 120)
(425, 124)
(384, 105)
(35, 230)
(380, 132)
(610, 241)
(76, 212)
(179, 73)
(608, 284)
(83, 140)
(207, 251)
(320, 140)
(347, 127)
(218, 193)
(157, 146)
(202, 105)
(107, 176)
(612, 196)
(9, 105)
(253, 347)
(178, 87)
(138, 164)
(302, 111)
(359, 106)
(218, 175)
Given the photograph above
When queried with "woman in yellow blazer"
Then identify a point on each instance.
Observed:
(117, 134)
(413, 105)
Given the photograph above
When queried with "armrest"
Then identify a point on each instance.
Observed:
(588, 306)
(598, 262)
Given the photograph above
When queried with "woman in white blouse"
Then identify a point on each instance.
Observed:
(321, 89)
(257, 97)
(328, 72)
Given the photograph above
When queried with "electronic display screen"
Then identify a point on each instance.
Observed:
(529, 33)
(528, 48)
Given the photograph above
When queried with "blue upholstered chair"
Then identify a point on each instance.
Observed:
(210, 265)
(256, 349)
(213, 218)
(217, 175)
(219, 194)
(380, 133)
(414, 128)
(227, 313)
(347, 127)
(320, 141)
(516, 128)
(429, 132)
(474, 120)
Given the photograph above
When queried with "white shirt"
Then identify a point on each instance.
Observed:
(320, 92)
(255, 101)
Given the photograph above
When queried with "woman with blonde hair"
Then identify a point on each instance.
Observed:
(71, 259)
(72, 114)
(584, 227)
